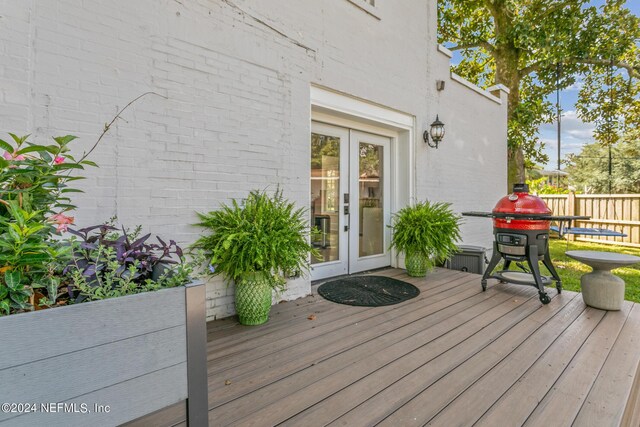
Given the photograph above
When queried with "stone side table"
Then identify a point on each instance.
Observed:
(600, 288)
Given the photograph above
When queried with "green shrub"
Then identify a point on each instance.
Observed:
(430, 229)
(263, 234)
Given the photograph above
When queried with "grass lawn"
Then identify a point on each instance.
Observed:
(570, 270)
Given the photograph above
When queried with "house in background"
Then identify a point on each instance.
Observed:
(327, 99)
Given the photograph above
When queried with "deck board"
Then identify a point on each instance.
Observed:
(453, 356)
(563, 401)
(283, 314)
(395, 380)
(474, 401)
(303, 329)
(433, 396)
(331, 351)
(614, 385)
(521, 399)
(387, 364)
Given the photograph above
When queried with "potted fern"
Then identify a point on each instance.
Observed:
(427, 233)
(256, 244)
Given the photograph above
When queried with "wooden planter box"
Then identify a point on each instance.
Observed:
(105, 362)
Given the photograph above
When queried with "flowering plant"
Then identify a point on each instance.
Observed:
(37, 176)
(34, 188)
(38, 268)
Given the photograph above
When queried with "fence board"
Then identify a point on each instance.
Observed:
(619, 212)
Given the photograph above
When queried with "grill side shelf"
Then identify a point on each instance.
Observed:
(505, 215)
(478, 214)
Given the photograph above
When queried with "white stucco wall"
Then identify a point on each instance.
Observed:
(232, 110)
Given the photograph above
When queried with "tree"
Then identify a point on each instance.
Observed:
(589, 170)
(535, 46)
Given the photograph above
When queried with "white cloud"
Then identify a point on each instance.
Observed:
(575, 87)
(575, 134)
(572, 128)
(585, 134)
(576, 128)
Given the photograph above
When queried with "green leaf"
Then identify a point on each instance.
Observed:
(4, 163)
(19, 139)
(89, 162)
(31, 149)
(65, 166)
(33, 229)
(20, 299)
(34, 258)
(64, 140)
(14, 232)
(53, 149)
(46, 156)
(6, 146)
(12, 279)
(65, 206)
(4, 307)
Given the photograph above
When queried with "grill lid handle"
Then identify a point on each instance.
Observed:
(520, 188)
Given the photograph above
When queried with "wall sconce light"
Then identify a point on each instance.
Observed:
(436, 132)
(439, 85)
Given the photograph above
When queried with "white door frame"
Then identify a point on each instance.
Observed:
(348, 225)
(342, 110)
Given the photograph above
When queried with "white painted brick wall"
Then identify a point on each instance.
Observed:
(232, 112)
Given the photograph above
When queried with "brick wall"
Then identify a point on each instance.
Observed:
(230, 105)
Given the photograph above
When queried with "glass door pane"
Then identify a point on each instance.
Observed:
(371, 194)
(325, 196)
(370, 185)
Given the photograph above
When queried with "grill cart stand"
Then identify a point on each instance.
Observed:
(521, 234)
(521, 278)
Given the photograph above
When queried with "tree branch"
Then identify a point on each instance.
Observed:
(531, 68)
(107, 126)
(554, 7)
(481, 43)
(633, 71)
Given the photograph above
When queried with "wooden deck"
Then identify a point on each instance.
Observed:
(453, 356)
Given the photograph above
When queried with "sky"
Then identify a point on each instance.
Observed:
(575, 133)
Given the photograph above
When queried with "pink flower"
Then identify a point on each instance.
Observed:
(58, 160)
(13, 156)
(62, 221)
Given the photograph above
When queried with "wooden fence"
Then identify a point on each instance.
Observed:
(618, 212)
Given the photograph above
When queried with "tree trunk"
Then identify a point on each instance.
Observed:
(507, 59)
(515, 165)
(507, 74)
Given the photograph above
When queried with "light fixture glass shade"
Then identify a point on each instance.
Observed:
(437, 130)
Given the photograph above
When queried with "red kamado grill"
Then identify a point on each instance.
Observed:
(521, 230)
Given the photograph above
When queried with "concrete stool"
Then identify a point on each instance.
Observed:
(600, 288)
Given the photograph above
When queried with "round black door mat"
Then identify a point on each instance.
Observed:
(368, 291)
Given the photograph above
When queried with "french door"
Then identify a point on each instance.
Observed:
(350, 200)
